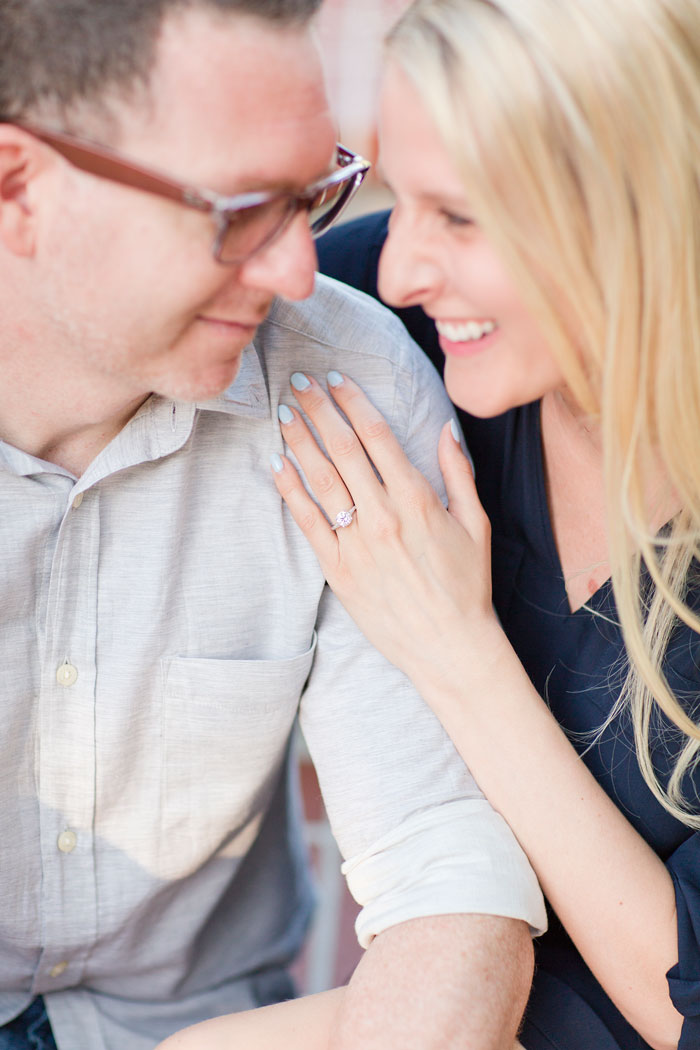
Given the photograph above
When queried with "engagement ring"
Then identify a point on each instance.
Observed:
(343, 518)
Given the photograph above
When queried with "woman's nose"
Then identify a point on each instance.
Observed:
(410, 271)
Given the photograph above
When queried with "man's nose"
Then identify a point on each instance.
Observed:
(287, 266)
(410, 274)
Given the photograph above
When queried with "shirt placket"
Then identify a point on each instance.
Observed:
(66, 758)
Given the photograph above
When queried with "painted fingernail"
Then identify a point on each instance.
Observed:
(276, 463)
(299, 381)
(285, 415)
(455, 431)
(334, 378)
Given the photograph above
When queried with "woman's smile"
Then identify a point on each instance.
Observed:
(466, 338)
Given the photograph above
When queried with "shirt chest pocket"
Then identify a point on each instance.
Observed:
(225, 728)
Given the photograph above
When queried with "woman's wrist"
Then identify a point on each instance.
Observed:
(473, 667)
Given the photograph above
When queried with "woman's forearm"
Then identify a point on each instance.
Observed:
(300, 1024)
(312, 1023)
(610, 890)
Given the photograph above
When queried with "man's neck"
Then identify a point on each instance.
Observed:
(59, 422)
(52, 408)
(73, 448)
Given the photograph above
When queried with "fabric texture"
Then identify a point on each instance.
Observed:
(164, 623)
(575, 662)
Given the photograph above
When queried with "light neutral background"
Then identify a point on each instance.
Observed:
(351, 34)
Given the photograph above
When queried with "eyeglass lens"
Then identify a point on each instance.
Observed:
(248, 230)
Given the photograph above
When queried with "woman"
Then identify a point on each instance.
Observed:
(545, 157)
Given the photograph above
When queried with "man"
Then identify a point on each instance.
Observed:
(162, 619)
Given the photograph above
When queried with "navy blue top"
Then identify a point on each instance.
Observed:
(575, 662)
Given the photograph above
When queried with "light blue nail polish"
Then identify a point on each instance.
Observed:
(455, 431)
(285, 415)
(299, 381)
(334, 379)
(276, 463)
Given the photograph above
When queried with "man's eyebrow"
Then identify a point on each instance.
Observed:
(258, 184)
(265, 184)
(252, 183)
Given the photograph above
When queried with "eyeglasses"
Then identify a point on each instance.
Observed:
(247, 222)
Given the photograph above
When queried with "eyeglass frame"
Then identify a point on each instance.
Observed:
(106, 163)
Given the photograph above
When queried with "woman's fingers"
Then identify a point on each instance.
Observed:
(324, 480)
(367, 424)
(343, 461)
(462, 499)
(406, 569)
(307, 514)
(348, 478)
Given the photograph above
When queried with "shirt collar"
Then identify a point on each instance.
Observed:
(163, 426)
(24, 465)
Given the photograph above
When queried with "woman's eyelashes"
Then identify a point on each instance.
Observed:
(456, 220)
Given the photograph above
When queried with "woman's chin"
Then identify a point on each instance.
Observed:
(482, 403)
(484, 396)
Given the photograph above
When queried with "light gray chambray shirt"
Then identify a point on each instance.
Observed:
(163, 622)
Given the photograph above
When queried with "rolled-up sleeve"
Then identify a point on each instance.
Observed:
(684, 977)
(460, 857)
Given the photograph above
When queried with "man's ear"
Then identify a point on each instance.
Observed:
(20, 163)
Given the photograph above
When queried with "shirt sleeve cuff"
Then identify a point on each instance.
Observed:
(460, 858)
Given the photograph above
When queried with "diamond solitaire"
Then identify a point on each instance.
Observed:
(343, 518)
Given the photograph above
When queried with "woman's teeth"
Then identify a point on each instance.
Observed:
(464, 331)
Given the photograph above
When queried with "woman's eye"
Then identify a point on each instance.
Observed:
(456, 220)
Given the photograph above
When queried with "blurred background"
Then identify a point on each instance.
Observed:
(351, 34)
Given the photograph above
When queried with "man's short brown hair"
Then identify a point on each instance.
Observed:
(61, 56)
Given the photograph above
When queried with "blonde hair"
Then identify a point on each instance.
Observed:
(576, 126)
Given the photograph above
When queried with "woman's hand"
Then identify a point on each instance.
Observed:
(412, 574)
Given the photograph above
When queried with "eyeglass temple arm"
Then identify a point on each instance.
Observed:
(103, 162)
(100, 161)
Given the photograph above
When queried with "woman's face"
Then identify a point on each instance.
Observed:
(436, 256)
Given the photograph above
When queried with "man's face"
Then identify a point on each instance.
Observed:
(130, 293)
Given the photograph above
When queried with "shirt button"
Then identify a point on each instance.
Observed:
(78, 500)
(67, 841)
(58, 969)
(66, 675)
